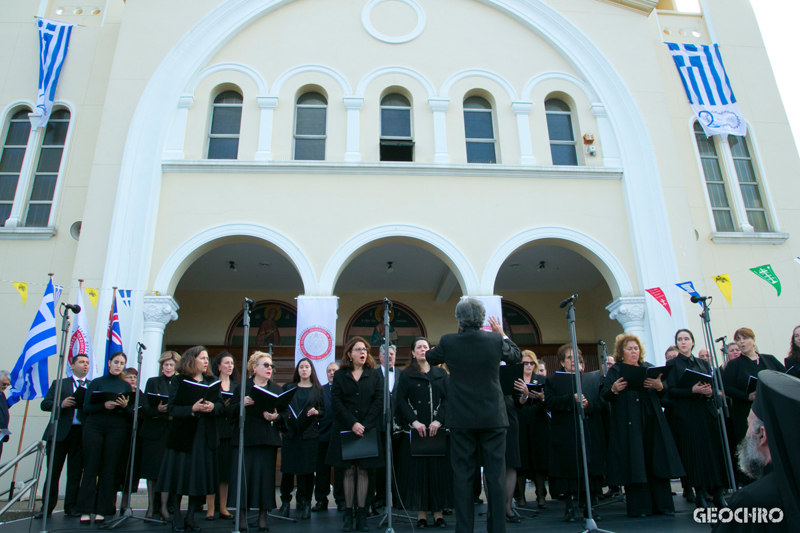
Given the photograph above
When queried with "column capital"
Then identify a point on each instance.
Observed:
(159, 311)
(438, 104)
(599, 110)
(267, 102)
(353, 102)
(521, 108)
(629, 312)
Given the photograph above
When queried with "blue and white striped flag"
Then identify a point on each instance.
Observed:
(708, 88)
(53, 44)
(29, 377)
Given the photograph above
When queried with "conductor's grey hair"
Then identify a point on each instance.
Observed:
(391, 347)
(470, 313)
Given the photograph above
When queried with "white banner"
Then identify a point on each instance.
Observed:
(316, 332)
(493, 307)
(80, 341)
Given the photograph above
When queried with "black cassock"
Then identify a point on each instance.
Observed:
(763, 493)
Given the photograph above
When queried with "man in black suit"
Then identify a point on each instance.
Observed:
(476, 410)
(5, 381)
(68, 438)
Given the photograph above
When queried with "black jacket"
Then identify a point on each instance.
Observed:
(326, 420)
(307, 426)
(155, 424)
(107, 383)
(67, 413)
(684, 399)
(475, 399)
(184, 423)
(258, 431)
(356, 401)
(735, 379)
(421, 397)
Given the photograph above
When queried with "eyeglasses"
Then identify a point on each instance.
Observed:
(358, 350)
(529, 363)
(267, 365)
(4, 384)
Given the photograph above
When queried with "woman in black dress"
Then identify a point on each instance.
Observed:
(154, 430)
(642, 455)
(261, 443)
(533, 433)
(423, 482)
(189, 466)
(736, 377)
(792, 363)
(228, 375)
(357, 402)
(300, 431)
(104, 428)
(696, 419)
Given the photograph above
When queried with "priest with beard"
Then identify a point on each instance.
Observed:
(768, 454)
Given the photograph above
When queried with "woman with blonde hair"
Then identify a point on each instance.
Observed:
(534, 437)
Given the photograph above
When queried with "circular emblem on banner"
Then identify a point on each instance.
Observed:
(316, 343)
(77, 339)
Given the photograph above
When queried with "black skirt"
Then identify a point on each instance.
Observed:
(190, 474)
(539, 441)
(154, 450)
(259, 477)
(298, 456)
(424, 483)
(513, 460)
(224, 453)
(701, 449)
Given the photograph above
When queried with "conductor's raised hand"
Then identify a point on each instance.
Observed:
(358, 429)
(419, 426)
(497, 325)
(619, 386)
(434, 427)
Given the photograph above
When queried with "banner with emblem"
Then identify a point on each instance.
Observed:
(80, 341)
(316, 332)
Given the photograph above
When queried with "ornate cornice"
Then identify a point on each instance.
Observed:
(159, 311)
(627, 311)
(640, 6)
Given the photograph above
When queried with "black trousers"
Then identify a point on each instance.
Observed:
(103, 439)
(323, 481)
(466, 446)
(305, 487)
(72, 447)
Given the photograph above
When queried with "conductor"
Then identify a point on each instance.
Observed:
(476, 410)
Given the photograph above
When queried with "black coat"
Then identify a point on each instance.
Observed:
(184, 422)
(4, 418)
(792, 366)
(155, 424)
(307, 426)
(258, 431)
(626, 454)
(475, 399)
(326, 420)
(227, 421)
(67, 413)
(735, 378)
(108, 383)
(421, 397)
(684, 400)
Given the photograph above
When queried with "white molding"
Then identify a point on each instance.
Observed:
(612, 270)
(394, 69)
(206, 166)
(413, 34)
(531, 84)
(250, 72)
(337, 76)
(734, 237)
(24, 233)
(353, 104)
(478, 73)
(447, 251)
(521, 112)
(438, 107)
(184, 255)
(644, 7)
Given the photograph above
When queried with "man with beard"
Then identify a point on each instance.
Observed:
(765, 454)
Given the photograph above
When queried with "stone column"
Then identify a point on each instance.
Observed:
(522, 111)
(158, 312)
(630, 313)
(353, 105)
(177, 132)
(439, 106)
(267, 105)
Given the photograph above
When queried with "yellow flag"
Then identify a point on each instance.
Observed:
(724, 284)
(22, 287)
(92, 294)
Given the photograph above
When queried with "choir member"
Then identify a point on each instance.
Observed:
(538, 422)
(154, 431)
(377, 478)
(424, 484)
(261, 443)
(668, 405)
(357, 403)
(642, 454)
(525, 471)
(69, 437)
(5, 381)
(792, 363)
(736, 378)
(104, 429)
(189, 466)
(323, 471)
(695, 411)
(228, 374)
(300, 432)
(513, 460)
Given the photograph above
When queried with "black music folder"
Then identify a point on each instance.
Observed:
(508, 375)
(355, 447)
(536, 384)
(690, 378)
(190, 392)
(752, 383)
(103, 397)
(268, 401)
(563, 383)
(154, 399)
(428, 446)
(80, 396)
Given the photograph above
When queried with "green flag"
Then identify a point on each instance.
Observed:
(767, 274)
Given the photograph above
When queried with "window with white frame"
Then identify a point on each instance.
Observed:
(310, 127)
(563, 147)
(748, 184)
(397, 143)
(715, 184)
(226, 121)
(16, 142)
(48, 164)
(479, 130)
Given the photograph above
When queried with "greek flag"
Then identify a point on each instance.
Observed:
(53, 43)
(29, 377)
(708, 88)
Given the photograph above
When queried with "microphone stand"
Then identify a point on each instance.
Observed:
(603, 357)
(132, 458)
(240, 463)
(589, 524)
(719, 391)
(55, 415)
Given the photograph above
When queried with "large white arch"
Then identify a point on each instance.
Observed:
(184, 255)
(478, 73)
(132, 229)
(221, 67)
(410, 72)
(322, 69)
(612, 270)
(438, 245)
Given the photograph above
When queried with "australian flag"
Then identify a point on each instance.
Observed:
(114, 337)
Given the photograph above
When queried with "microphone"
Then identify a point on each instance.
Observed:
(601, 342)
(387, 301)
(140, 345)
(249, 302)
(567, 301)
(721, 339)
(75, 308)
(696, 299)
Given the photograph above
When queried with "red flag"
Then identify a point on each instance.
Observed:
(660, 297)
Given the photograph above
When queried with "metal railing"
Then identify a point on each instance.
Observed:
(31, 484)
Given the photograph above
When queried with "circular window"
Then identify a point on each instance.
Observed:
(367, 22)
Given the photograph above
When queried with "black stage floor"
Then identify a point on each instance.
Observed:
(550, 520)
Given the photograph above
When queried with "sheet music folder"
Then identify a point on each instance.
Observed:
(428, 446)
(508, 375)
(690, 378)
(635, 375)
(103, 397)
(80, 397)
(154, 399)
(355, 447)
(191, 391)
(266, 401)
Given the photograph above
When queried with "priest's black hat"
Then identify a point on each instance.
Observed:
(777, 404)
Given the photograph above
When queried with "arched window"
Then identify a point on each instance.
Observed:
(309, 127)
(396, 141)
(748, 184)
(479, 130)
(226, 120)
(715, 183)
(562, 136)
(19, 129)
(45, 178)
